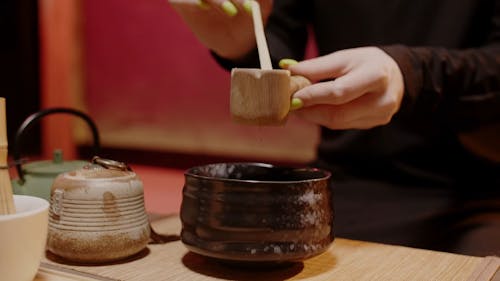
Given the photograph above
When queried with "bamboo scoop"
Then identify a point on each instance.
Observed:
(6, 198)
(262, 96)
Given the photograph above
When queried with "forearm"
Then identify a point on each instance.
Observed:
(464, 84)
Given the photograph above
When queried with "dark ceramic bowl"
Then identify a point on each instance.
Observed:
(257, 213)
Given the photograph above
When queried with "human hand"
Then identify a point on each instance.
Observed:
(223, 26)
(367, 89)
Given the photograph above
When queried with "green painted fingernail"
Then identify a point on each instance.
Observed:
(285, 63)
(296, 104)
(247, 5)
(229, 8)
(202, 4)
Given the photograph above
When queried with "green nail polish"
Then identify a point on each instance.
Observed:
(202, 4)
(285, 63)
(296, 104)
(247, 5)
(229, 8)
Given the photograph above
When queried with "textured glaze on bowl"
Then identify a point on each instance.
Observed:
(253, 212)
(97, 215)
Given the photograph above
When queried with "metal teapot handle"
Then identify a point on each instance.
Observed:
(35, 117)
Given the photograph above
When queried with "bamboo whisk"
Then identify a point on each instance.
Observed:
(6, 197)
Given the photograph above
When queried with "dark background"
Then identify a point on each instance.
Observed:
(19, 67)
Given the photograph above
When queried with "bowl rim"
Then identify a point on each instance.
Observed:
(189, 173)
(36, 205)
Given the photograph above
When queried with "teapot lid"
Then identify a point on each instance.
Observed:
(95, 172)
(101, 168)
(100, 180)
(55, 166)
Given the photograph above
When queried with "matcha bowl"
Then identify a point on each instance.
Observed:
(257, 213)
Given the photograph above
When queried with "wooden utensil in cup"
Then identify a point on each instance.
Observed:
(262, 97)
(6, 197)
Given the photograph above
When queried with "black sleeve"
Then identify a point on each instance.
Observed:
(464, 84)
(286, 34)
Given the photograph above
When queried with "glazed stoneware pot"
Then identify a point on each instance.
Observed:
(254, 213)
(97, 214)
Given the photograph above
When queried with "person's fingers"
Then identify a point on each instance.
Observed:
(230, 8)
(364, 123)
(235, 7)
(322, 68)
(343, 89)
(366, 91)
(190, 8)
(190, 4)
(227, 7)
(336, 124)
(367, 111)
(186, 2)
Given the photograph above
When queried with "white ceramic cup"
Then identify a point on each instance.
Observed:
(23, 236)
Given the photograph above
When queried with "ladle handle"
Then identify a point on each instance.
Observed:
(260, 37)
(35, 117)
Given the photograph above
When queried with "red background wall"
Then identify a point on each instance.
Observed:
(150, 85)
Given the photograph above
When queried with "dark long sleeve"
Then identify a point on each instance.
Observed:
(465, 84)
(456, 76)
(449, 55)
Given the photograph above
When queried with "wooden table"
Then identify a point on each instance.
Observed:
(345, 260)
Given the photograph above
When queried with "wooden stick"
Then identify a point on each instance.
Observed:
(260, 37)
(6, 198)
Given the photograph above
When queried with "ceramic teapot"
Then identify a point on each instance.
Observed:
(36, 178)
(97, 213)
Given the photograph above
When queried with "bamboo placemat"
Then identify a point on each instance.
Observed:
(345, 260)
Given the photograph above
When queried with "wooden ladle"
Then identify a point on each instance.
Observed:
(6, 197)
(262, 96)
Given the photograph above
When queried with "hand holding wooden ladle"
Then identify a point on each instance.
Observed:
(258, 96)
(222, 26)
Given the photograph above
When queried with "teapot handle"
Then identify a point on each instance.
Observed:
(35, 117)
